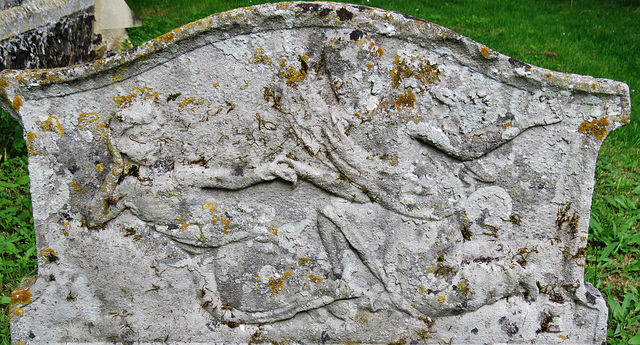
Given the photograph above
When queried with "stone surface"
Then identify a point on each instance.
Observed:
(47, 34)
(311, 173)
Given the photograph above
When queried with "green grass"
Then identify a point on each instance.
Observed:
(17, 238)
(590, 37)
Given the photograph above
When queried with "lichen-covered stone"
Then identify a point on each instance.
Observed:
(312, 173)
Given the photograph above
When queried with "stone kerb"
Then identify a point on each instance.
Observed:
(311, 172)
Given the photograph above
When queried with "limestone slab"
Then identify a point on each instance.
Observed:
(311, 173)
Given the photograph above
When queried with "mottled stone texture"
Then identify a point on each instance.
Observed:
(5, 4)
(66, 39)
(311, 173)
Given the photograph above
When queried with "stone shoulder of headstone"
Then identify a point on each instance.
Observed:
(311, 172)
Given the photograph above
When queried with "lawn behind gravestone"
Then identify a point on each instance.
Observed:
(589, 37)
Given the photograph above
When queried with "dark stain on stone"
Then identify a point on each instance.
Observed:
(306, 7)
(163, 166)
(356, 35)
(518, 63)
(485, 260)
(474, 331)
(591, 298)
(325, 337)
(237, 172)
(412, 18)
(461, 307)
(344, 14)
(325, 12)
(362, 8)
(73, 167)
(510, 328)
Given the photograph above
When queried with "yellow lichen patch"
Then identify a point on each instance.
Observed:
(292, 75)
(276, 285)
(463, 289)
(190, 100)
(20, 296)
(4, 83)
(424, 289)
(406, 100)
(52, 124)
(427, 73)
(260, 58)
(209, 206)
(31, 147)
(430, 269)
(76, 186)
(49, 255)
(218, 217)
(625, 120)
(168, 37)
(144, 92)
(99, 168)
(375, 51)
(400, 71)
(273, 231)
(304, 261)
(597, 127)
(17, 103)
(315, 279)
(442, 299)
(184, 226)
(86, 119)
(506, 125)
(485, 52)
(116, 79)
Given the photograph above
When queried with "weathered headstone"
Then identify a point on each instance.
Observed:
(46, 33)
(311, 172)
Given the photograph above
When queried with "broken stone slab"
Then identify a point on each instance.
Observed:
(312, 173)
(46, 33)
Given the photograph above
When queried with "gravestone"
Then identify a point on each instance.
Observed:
(46, 33)
(311, 173)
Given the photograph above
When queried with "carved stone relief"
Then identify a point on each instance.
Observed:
(312, 172)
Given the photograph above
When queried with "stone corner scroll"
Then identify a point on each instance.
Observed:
(311, 173)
